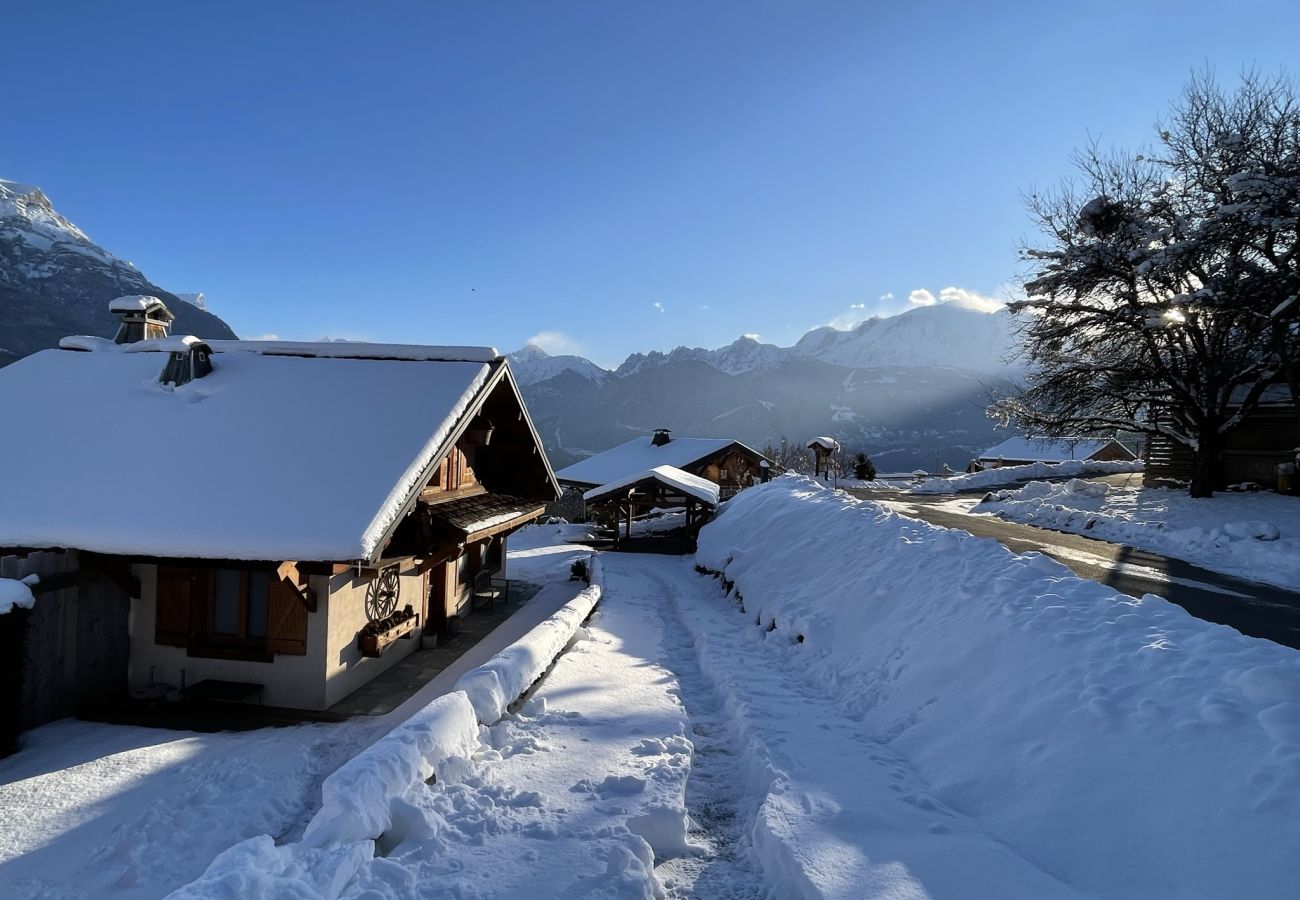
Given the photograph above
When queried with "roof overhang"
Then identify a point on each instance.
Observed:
(500, 373)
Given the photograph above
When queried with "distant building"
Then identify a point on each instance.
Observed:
(729, 464)
(1021, 451)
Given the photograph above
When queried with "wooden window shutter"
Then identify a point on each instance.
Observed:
(286, 630)
(172, 598)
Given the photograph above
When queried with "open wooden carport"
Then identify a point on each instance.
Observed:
(663, 487)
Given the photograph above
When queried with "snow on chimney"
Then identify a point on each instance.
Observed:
(142, 318)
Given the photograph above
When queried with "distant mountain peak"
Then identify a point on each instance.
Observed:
(531, 364)
(55, 281)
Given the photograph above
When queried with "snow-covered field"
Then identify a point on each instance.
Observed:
(859, 705)
(95, 810)
(989, 478)
(1252, 535)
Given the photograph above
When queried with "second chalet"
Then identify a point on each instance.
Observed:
(729, 464)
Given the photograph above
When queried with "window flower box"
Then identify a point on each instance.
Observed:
(377, 636)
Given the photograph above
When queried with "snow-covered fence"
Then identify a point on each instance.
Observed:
(493, 686)
(357, 799)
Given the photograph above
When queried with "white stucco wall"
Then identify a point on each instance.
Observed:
(345, 668)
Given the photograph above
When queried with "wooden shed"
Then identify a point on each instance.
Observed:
(663, 487)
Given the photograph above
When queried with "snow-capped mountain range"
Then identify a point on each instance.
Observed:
(952, 334)
(910, 389)
(55, 281)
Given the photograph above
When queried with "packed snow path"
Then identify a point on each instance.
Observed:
(674, 751)
(721, 811)
(821, 809)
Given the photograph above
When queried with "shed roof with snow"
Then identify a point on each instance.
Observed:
(673, 479)
(1053, 450)
(828, 444)
(641, 454)
(284, 451)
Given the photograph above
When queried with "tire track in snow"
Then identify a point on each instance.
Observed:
(830, 810)
(721, 814)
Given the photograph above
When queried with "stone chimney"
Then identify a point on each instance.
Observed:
(661, 437)
(142, 318)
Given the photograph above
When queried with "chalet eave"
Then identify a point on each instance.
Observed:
(501, 372)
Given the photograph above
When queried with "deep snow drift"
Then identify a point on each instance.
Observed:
(1116, 745)
(1251, 535)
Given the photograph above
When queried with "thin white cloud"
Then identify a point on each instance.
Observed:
(966, 299)
(887, 296)
(854, 315)
(556, 343)
(970, 299)
(752, 335)
(263, 337)
(657, 305)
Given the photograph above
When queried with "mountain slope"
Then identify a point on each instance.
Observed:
(946, 334)
(906, 417)
(532, 364)
(910, 389)
(55, 281)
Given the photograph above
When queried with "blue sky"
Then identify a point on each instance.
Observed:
(616, 176)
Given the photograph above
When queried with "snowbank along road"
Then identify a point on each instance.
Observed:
(1253, 608)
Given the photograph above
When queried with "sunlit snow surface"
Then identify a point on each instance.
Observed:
(1252, 535)
(95, 810)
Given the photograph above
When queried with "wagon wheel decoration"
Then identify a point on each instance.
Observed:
(381, 596)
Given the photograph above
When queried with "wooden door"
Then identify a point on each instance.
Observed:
(435, 604)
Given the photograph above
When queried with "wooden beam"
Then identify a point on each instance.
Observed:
(290, 574)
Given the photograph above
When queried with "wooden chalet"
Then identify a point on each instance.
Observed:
(278, 519)
(729, 464)
(1267, 438)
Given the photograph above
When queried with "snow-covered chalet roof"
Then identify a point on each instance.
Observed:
(297, 453)
(638, 455)
(1044, 449)
(673, 478)
(826, 443)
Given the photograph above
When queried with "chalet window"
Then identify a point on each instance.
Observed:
(202, 363)
(239, 604)
(229, 613)
(722, 474)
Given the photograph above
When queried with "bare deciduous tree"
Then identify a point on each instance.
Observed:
(1163, 297)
